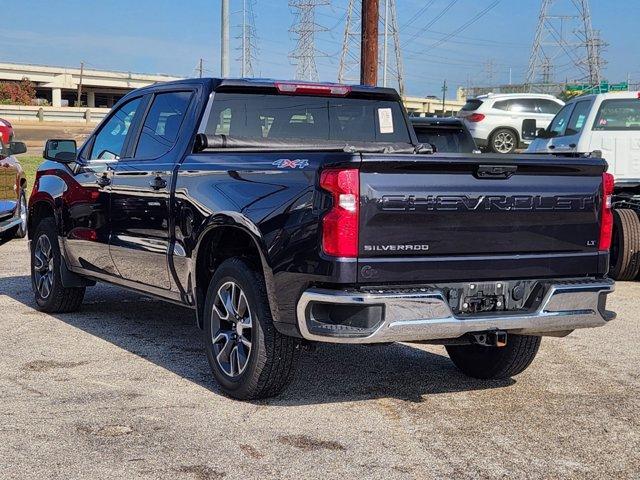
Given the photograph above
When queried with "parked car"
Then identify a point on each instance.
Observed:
(446, 134)
(290, 213)
(609, 124)
(495, 120)
(6, 131)
(13, 198)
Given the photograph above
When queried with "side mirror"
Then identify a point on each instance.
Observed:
(529, 129)
(543, 133)
(61, 151)
(16, 148)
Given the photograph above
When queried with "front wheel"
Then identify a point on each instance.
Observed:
(247, 355)
(483, 362)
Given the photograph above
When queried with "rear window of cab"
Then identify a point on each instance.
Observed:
(618, 114)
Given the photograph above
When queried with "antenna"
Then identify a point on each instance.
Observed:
(565, 40)
(305, 29)
(349, 69)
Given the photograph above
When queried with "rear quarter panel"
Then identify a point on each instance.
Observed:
(271, 196)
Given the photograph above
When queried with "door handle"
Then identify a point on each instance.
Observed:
(158, 183)
(572, 145)
(103, 181)
(552, 147)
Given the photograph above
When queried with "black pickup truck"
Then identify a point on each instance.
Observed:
(290, 213)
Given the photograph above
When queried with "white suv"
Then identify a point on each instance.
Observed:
(495, 120)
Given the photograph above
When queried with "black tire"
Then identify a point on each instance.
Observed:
(271, 360)
(625, 245)
(482, 362)
(59, 299)
(503, 141)
(23, 211)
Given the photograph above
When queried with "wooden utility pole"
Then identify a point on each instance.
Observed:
(200, 68)
(79, 101)
(444, 96)
(369, 43)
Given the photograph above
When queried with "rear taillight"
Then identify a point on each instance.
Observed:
(606, 217)
(340, 224)
(475, 117)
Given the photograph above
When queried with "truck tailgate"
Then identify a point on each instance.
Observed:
(448, 217)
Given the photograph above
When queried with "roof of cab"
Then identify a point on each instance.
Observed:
(218, 84)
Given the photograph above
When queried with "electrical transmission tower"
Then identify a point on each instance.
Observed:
(305, 29)
(248, 47)
(349, 70)
(565, 44)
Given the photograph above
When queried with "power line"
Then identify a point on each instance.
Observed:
(467, 24)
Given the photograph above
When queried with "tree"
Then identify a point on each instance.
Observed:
(17, 93)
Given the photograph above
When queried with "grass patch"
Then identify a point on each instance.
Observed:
(30, 165)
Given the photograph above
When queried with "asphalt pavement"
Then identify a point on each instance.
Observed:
(122, 389)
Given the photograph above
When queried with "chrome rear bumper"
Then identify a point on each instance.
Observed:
(426, 315)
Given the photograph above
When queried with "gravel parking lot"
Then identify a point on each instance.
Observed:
(122, 389)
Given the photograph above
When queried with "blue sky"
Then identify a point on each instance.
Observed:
(160, 36)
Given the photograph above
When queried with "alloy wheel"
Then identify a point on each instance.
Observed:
(231, 329)
(43, 266)
(504, 142)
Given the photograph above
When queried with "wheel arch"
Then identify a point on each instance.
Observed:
(226, 236)
(39, 209)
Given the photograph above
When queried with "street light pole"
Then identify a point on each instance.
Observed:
(224, 40)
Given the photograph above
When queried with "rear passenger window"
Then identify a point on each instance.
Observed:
(548, 106)
(162, 125)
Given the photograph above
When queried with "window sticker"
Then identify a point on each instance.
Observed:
(385, 119)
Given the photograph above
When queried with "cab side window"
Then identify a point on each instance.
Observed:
(162, 125)
(578, 118)
(109, 142)
(559, 123)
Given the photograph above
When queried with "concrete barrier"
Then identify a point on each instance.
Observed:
(23, 113)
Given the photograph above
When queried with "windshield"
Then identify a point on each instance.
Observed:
(264, 116)
(619, 114)
(449, 140)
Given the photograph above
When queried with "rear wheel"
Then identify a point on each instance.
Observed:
(51, 295)
(482, 362)
(503, 140)
(625, 245)
(247, 355)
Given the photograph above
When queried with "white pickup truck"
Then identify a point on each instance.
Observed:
(608, 123)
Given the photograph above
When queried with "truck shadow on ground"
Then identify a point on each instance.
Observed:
(166, 335)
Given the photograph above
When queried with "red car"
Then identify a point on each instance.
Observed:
(6, 131)
(13, 197)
